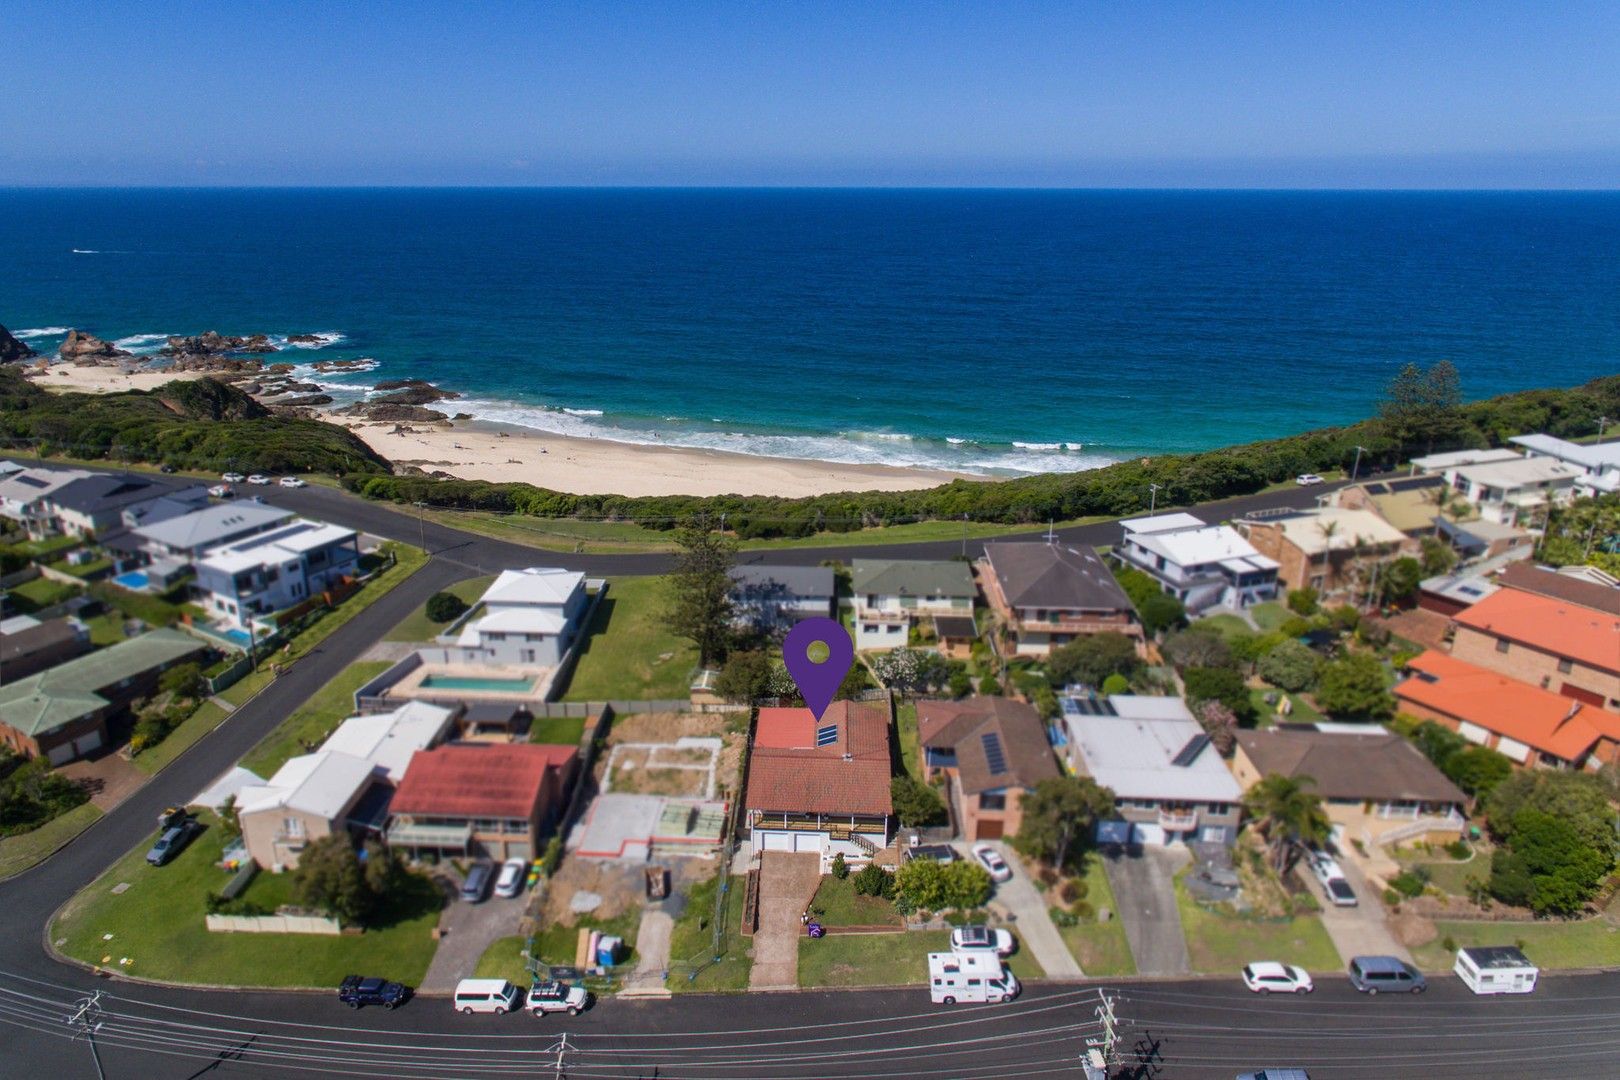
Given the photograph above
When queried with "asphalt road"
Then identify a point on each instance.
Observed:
(1184, 1028)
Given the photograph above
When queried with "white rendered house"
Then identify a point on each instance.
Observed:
(528, 616)
(1203, 566)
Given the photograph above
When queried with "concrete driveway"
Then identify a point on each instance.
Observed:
(1144, 888)
(1362, 930)
(1028, 911)
(466, 930)
(787, 884)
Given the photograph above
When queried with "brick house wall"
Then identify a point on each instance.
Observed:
(1528, 664)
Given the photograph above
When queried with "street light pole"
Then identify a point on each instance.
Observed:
(1153, 497)
(1355, 470)
(1603, 424)
(421, 526)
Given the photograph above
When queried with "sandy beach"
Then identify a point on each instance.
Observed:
(476, 450)
(483, 451)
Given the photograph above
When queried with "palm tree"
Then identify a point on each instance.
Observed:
(1288, 815)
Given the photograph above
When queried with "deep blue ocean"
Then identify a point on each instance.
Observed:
(979, 330)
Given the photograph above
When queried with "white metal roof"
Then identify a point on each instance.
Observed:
(1163, 523)
(1594, 457)
(388, 740)
(546, 585)
(31, 484)
(1520, 472)
(1313, 531)
(1207, 544)
(323, 783)
(275, 547)
(513, 621)
(1131, 753)
(1439, 462)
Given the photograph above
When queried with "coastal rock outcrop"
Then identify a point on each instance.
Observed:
(343, 365)
(213, 342)
(305, 401)
(411, 392)
(303, 339)
(393, 411)
(88, 349)
(209, 399)
(12, 350)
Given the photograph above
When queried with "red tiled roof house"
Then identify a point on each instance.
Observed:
(992, 750)
(491, 800)
(821, 786)
(1552, 642)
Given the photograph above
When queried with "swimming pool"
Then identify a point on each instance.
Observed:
(239, 636)
(132, 579)
(472, 682)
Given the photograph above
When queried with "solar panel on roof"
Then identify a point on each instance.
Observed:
(826, 736)
(1190, 752)
(992, 752)
(1088, 706)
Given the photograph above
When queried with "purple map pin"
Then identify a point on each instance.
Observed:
(818, 683)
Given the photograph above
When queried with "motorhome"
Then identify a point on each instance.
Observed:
(969, 977)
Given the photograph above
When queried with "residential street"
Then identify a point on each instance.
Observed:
(1144, 889)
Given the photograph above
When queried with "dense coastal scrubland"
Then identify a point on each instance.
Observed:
(204, 424)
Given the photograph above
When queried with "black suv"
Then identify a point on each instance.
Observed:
(356, 990)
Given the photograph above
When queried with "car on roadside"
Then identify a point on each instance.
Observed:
(550, 997)
(976, 938)
(1331, 875)
(258, 479)
(1274, 1073)
(167, 470)
(1340, 892)
(989, 858)
(232, 477)
(510, 882)
(357, 990)
(1269, 977)
(1385, 974)
(1307, 479)
(476, 887)
(171, 842)
(222, 491)
(293, 482)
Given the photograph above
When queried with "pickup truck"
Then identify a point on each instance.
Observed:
(356, 990)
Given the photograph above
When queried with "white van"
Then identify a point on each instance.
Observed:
(487, 996)
(969, 977)
(1498, 969)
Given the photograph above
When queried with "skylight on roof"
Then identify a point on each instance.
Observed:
(826, 736)
(993, 755)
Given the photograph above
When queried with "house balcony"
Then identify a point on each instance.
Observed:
(839, 827)
(1099, 625)
(1178, 821)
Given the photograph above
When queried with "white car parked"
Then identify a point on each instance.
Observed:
(293, 482)
(258, 480)
(556, 997)
(1331, 875)
(221, 491)
(510, 883)
(1307, 479)
(989, 858)
(232, 477)
(1268, 977)
(982, 939)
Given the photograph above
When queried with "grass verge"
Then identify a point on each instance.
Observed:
(27, 850)
(418, 627)
(691, 942)
(207, 717)
(1101, 947)
(1589, 943)
(870, 959)
(838, 904)
(156, 924)
(504, 960)
(1222, 944)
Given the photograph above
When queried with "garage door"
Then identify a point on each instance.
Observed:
(60, 755)
(776, 841)
(802, 842)
(1148, 834)
(1513, 749)
(86, 743)
(990, 829)
(1474, 733)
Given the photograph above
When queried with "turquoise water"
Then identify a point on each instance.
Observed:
(133, 579)
(979, 330)
(468, 682)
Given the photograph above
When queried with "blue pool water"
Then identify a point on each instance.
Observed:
(239, 636)
(468, 682)
(133, 579)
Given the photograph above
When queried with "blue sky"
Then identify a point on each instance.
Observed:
(1242, 94)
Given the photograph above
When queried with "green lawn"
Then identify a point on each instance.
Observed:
(1303, 712)
(83, 570)
(207, 717)
(1226, 625)
(1270, 615)
(1100, 947)
(153, 610)
(19, 853)
(1022, 962)
(566, 730)
(629, 651)
(557, 944)
(313, 721)
(106, 629)
(1222, 944)
(157, 924)
(870, 959)
(33, 549)
(910, 749)
(42, 592)
(504, 960)
(837, 904)
(691, 942)
(1592, 943)
(418, 627)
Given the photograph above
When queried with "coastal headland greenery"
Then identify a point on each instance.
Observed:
(197, 424)
(202, 424)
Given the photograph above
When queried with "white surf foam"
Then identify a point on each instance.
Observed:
(142, 344)
(39, 332)
(322, 338)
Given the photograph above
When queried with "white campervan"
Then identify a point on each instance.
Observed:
(969, 977)
(1496, 969)
(487, 996)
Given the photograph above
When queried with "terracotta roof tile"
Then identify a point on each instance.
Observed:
(1555, 626)
(961, 726)
(479, 780)
(787, 772)
(1538, 718)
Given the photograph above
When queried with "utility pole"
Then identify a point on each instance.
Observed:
(1153, 497)
(85, 1020)
(1099, 1055)
(1355, 470)
(964, 536)
(561, 1049)
(1603, 424)
(421, 526)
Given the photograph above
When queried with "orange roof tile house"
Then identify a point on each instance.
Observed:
(1546, 641)
(492, 800)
